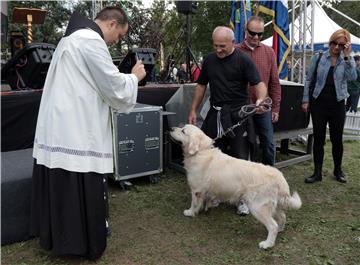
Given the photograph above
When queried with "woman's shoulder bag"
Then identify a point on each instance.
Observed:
(313, 78)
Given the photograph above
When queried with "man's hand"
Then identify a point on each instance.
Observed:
(192, 117)
(263, 105)
(139, 70)
(259, 110)
(305, 107)
(274, 117)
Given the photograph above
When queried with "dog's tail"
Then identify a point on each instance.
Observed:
(291, 202)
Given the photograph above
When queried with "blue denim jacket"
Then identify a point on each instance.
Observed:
(343, 72)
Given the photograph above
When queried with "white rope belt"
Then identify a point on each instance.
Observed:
(220, 129)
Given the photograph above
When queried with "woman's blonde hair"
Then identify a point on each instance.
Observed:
(340, 33)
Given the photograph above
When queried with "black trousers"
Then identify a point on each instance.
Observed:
(242, 144)
(68, 211)
(325, 112)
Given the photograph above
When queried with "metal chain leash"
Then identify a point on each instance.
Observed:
(246, 112)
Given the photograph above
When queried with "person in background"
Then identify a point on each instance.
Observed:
(227, 71)
(195, 72)
(336, 67)
(181, 74)
(292, 69)
(73, 147)
(354, 89)
(288, 65)
(174, 74)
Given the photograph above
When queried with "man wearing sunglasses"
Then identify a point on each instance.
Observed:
(264, 58)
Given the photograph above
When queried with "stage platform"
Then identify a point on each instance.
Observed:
(283, 147)
(20, 109)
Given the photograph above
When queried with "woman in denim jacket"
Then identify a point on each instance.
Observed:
(335, 68)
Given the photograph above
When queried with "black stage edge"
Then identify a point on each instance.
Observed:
(16, 174)
(19, 110)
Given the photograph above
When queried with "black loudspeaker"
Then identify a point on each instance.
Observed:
(17, 42)
(146, 55)
(28, 68)
(291, 116)
(186, 7)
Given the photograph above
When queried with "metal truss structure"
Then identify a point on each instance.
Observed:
(302, 38)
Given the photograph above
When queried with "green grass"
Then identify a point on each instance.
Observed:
(148, 226)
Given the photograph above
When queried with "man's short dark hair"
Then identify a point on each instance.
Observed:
(113, 12)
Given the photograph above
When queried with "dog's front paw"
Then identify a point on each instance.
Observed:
(265, 245)
(189, 212)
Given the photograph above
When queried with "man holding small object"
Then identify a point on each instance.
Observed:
(265, 60)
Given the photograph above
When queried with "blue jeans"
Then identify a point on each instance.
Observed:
(264, 129)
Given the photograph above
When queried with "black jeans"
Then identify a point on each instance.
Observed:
(241, 145)
(325, 112)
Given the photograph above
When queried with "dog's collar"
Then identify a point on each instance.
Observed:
(188, 155)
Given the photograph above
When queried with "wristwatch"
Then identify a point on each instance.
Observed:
(346, 58)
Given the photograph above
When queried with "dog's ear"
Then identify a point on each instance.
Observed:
(193, 146)
(199, 142)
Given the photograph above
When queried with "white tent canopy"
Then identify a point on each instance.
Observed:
(323, 28)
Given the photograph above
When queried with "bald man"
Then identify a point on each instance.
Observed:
(228, 71)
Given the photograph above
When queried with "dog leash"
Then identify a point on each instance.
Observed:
(246, 112)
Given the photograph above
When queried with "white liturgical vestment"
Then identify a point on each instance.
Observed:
(73, 130)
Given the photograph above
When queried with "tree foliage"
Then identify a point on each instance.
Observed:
(55, 19)
(351, 9)
(161, 23)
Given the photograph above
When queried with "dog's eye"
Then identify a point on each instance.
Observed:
(183, 131)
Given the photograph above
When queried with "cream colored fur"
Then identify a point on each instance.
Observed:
(212, 174)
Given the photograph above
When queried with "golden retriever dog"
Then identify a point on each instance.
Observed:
(212, 174)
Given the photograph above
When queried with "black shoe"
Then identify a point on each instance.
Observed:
(313, 178)
(339, 176)
(317, 176)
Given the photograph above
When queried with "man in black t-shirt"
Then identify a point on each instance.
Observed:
(227, 71)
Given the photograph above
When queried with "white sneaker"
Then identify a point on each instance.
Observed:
(242, 209)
